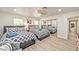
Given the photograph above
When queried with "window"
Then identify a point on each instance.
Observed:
(36, 22)
(18, 21)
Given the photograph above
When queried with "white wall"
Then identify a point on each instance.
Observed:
(54, 23)
(7, 19)
(63, 25)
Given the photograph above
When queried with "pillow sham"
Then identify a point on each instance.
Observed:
(11, 29)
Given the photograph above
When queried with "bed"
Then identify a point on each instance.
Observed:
(40, 33)
(23, 37)
(52, 29)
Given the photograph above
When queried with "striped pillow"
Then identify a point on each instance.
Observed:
(6, 47)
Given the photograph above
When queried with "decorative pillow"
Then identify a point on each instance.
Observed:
(34, 28)
(45, 26)
(52, 27)
(11, 34)
(11, 29)
(6, 47)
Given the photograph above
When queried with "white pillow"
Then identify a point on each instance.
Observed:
(6, 47)
(11, 29)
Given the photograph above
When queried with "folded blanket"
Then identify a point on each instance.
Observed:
(6, 47)
(11, 34)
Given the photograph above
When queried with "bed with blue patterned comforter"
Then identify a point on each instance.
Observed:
(23, 37)
(40, 33)
(52, 29)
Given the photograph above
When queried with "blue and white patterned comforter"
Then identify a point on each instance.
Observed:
(40, 33)
(21, 37)
(52, 29)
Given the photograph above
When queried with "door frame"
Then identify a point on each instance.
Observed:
(73, 21)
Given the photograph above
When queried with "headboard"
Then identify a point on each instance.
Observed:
(5, 27)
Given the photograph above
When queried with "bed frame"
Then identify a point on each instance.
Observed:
(22, 45)
(43, 37)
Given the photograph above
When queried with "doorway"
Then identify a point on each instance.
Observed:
(73, 23)
(73, 26)
(72, 31)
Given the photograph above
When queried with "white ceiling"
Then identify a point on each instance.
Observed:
(29, 11)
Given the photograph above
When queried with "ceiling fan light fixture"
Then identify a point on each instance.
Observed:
(41, 11)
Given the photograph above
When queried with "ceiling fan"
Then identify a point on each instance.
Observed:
(40, 11)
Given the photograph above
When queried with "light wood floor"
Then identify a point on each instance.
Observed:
(52, 43)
